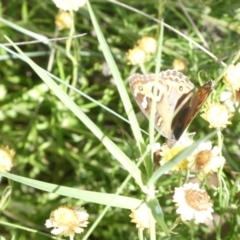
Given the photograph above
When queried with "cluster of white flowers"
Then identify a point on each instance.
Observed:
(204, 159)
(146, 45)
(192, 202)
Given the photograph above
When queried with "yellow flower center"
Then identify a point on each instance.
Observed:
(202, 159)
(197, 200)
(169, 153)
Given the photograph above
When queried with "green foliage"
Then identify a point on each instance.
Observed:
(73, 143)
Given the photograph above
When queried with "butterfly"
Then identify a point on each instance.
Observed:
(177, 102)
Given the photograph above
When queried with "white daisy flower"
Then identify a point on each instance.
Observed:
(193, 203)
(140, 216)
(217, 115)
(69, 5)
(67, 221)
(206, 159)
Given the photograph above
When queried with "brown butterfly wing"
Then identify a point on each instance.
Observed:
(170, 85)
(142, 87)
(176, 101)
(189, 109)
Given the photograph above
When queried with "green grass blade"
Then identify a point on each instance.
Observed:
(88, 196)
(117, 77)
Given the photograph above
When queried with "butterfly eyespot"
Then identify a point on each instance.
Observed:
(180, 88)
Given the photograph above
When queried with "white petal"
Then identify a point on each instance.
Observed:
(57, 231)
(48, 223)
(206, 145)
(217, 162)
(79, 230)
(216, 150)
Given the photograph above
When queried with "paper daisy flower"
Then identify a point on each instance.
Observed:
(206, 159)
(63, 20)
(217, 115)
(136, 56)
(179, 64)
(67, 221)
(193, 203)
(140, 216)
(167, 153)
(148, 44)
(69, 5)
(6, 159)
(232, 76)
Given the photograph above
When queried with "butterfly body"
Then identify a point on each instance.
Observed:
(177, 103)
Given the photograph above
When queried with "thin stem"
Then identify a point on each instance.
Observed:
(68, 51)
(140, 234)
(193, 24)
(152, 222)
